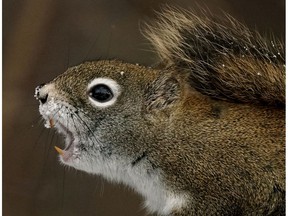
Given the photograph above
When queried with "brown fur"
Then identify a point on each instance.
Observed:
(211, 123)
(225, 59)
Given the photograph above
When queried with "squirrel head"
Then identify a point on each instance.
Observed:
(97, 106)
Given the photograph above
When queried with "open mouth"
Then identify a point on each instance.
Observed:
(70, 143)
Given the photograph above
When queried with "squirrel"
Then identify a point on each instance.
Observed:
(202, 133)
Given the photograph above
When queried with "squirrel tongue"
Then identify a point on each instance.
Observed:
(60, 151)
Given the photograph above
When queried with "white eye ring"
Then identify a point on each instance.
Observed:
(110, 84)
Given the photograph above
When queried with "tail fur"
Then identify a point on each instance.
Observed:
(224, 59)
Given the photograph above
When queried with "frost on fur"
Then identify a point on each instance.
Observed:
(225, 60)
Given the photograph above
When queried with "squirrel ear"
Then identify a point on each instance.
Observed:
(162, 93)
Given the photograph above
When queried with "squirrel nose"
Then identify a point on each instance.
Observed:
(41, 95)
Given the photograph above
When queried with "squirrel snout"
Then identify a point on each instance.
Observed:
(41, 93)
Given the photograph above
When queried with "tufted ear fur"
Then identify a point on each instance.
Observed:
(162, 93)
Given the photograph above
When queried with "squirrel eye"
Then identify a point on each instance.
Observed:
(101, 93)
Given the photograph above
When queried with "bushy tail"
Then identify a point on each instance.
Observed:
(225, 60)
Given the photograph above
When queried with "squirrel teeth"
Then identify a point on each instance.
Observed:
(51, 123)
(60, 151)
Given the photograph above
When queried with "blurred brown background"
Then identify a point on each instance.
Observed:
(41, 38)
